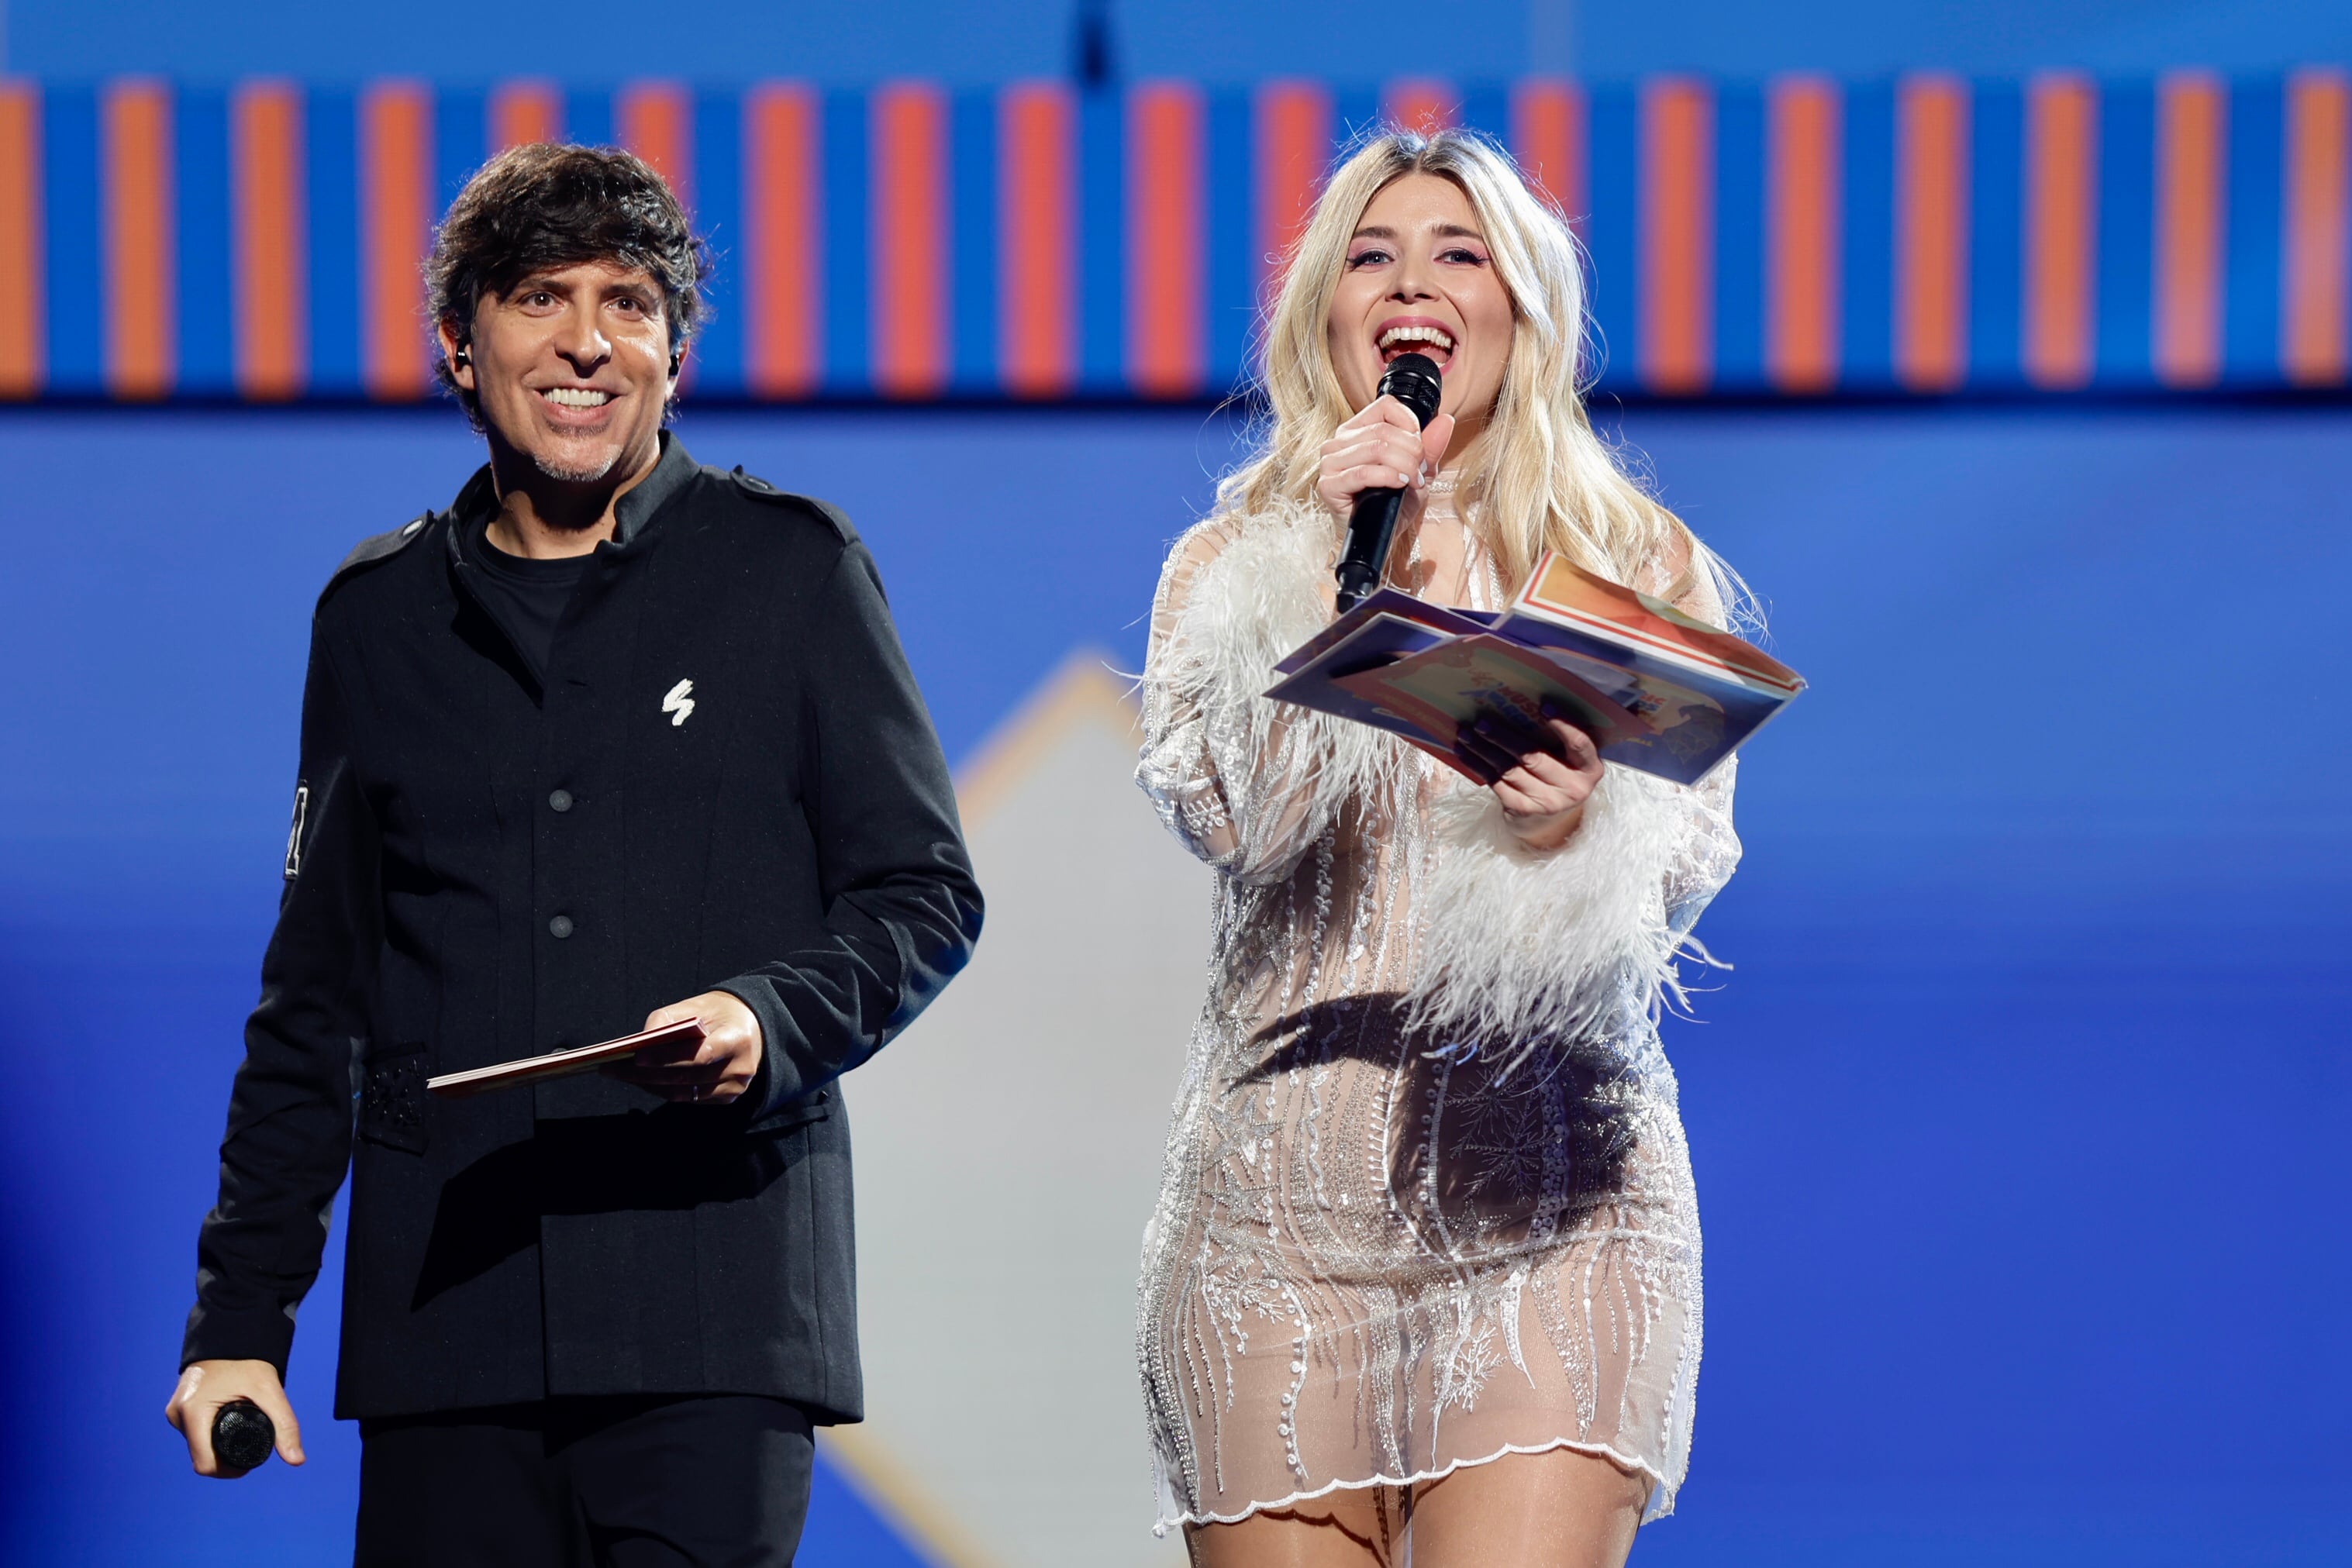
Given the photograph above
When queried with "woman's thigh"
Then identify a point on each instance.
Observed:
(1354, 1527)
(1561, 1508)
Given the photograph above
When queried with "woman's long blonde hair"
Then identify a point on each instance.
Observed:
(1539, 477)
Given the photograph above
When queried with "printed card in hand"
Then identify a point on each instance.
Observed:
(1655, 689)
(1442, 690)
(564, 1063)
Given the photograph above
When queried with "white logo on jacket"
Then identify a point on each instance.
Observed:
(679, 703)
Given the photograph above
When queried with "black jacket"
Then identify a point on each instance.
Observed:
(482, 869)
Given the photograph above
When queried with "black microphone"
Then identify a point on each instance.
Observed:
(242, 1435)
(1414, 381)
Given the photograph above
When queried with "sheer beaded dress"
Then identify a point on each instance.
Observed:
(1426, 1199)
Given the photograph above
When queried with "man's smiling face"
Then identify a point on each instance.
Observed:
(1418, 279)
(572, 368)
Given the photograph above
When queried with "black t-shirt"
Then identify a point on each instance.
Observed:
(526, 595)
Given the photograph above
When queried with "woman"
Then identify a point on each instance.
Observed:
(1424, 1279)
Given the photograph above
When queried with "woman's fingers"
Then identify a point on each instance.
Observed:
(1389, 450)
(1519, 803)
(1479, 759)
(1382, 447)
(1383, 411)
(1576, 746)
(1435, 438)
(1519, 739)
(1375, 469)
(1536, 772)
(1529, 792)
(1492, 748)
(1407, 437)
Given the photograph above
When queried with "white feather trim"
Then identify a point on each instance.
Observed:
(1522, 945)
(1517, 945)
(1285, 771)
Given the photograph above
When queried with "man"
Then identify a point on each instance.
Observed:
(614, 741)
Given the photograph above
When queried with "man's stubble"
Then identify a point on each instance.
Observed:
(555, 469)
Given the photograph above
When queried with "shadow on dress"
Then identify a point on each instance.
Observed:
(1490, 1160)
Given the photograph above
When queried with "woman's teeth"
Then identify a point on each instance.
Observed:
(1404, 338)
(576, 397)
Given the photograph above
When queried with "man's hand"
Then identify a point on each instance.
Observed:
(206, 1386)
(1540, 778)
(719, 1071)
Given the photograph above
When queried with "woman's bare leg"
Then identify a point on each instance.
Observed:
(1561, 1508)
(1352, 1528)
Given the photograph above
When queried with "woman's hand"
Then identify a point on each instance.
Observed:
(1541, 778)
(1380, 449)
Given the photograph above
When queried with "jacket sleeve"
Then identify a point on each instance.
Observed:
(289, 1116)
(902, 911)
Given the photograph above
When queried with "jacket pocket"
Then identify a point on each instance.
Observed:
(391, 1098)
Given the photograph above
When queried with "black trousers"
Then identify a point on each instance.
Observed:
(707, 1481)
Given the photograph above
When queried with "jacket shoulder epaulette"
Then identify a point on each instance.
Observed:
(376, 548)
(759, 489)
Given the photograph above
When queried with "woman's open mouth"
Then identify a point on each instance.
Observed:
(1434, 343)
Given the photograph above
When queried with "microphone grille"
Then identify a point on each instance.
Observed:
(1414, 381)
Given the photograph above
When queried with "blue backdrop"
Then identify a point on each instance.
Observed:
(2019, 1126)
(1221, 40)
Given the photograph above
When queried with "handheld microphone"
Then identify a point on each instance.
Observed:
(242, 1435)
(1414, 381)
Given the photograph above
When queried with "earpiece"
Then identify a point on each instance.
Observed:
(459, 360)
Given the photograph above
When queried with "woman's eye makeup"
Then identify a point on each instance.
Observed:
(1459, 256)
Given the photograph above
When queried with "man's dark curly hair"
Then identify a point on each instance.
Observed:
(534, 208)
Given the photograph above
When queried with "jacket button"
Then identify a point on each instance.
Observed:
(559, 801)
(559, 928)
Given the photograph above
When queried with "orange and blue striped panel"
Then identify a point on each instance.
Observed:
(396, 211)
(1166, 251)
(270, 273)
(913, 241)
(24, 314)
(780, 261)
(140, 256)
(1037, 240)
(1929, 331)
(1803, 236)
(1803, 218)
(1548, 136)
(2316, 269)
(1291, 128)
(1676, 263)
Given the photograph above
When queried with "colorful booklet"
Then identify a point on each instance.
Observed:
(1655, 689)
